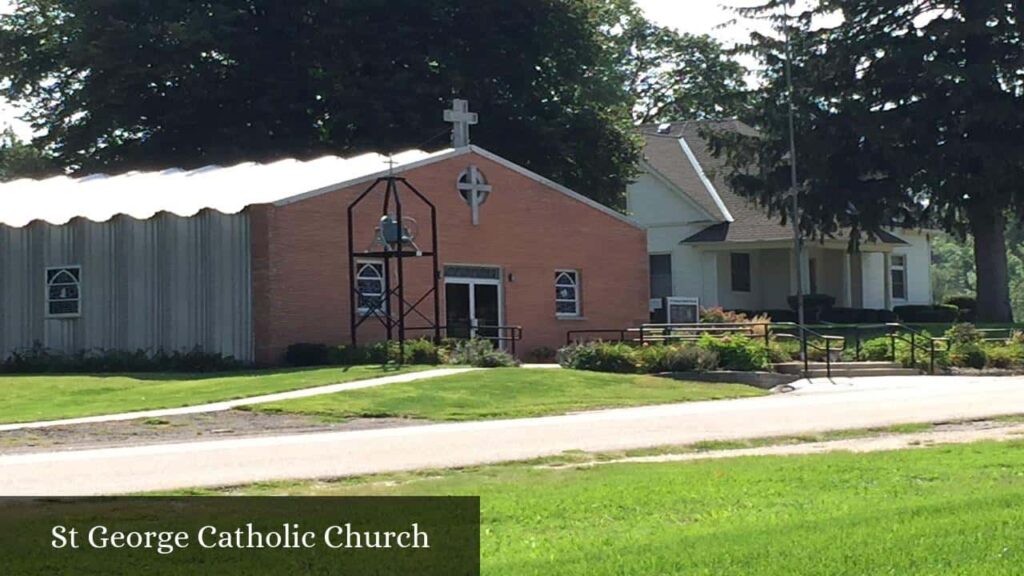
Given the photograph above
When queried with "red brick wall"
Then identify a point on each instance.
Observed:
(300, 262)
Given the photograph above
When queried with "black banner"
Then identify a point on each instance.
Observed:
(254, 536)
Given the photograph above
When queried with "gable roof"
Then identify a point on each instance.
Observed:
(227, 189)
(680, 154)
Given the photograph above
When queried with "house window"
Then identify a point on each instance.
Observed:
(567, 293)
(899, 277)
(661, 275)
(370, 284)
(63, 292)
(740, 266)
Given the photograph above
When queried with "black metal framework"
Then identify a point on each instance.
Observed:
(393, 308)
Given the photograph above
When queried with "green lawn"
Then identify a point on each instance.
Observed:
(948, 510)
(29, 398)
(509, 393)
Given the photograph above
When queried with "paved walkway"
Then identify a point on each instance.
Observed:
(250, 401)
(860, 403)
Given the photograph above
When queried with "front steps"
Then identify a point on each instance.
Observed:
(847, 369)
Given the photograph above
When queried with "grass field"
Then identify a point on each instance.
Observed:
(947, 510)
(29, 398)
(508, 393)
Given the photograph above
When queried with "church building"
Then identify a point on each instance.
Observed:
(246, 260)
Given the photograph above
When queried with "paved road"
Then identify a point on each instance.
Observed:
(865, 403)
(239, 402)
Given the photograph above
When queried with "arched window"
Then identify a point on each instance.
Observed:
(567, 293)
(370, 284)
(63, 292)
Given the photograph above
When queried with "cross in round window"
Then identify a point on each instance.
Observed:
(474, 189)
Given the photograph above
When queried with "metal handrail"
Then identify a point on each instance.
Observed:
(647, 333)
(515, 334)
(894, 335)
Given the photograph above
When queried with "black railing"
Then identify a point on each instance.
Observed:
(500, 335)
(918, 341)
(668, 333)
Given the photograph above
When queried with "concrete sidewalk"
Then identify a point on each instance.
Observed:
(859, 403)
(250, 401)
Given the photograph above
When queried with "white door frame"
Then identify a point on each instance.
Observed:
(473, 283)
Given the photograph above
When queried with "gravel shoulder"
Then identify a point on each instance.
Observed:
(182, 428)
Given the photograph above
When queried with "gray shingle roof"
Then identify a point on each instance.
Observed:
(749, 222)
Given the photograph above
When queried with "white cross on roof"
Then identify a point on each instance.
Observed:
(461, 119)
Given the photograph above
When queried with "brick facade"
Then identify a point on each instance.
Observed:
(527, 228)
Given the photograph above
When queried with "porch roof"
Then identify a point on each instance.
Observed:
(760, 232)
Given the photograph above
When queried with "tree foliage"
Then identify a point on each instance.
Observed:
(907, 114)
(676, 76)
(135, 84)
(19, 159)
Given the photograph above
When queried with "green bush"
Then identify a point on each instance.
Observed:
(652, 359)
(969, 356)
(690, 359)
(939, 314)
(40, 360)
(963, 334)
(736, 352)
(1002, 357)
(966, 306)
(307, 354)
(495, 359)
(877, 349)
(543, 354)
(599, 357)
(782, 351)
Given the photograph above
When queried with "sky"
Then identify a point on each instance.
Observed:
(694, 16)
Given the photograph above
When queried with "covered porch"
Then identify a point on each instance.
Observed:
(761, 276)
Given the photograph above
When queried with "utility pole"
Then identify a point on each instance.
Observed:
(798, 241)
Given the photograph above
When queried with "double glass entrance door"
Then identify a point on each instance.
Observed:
(473, 309)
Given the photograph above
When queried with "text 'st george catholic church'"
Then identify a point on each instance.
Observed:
(245, 260)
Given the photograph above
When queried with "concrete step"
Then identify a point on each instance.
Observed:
(862, 372)
(798, 367)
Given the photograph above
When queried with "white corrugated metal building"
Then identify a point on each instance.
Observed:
(148, 260)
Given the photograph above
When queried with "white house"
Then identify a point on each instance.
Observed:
(707, 242)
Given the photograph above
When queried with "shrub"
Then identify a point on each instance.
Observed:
(421, 351)
(1016, 337)
(1002, 357)
(877, 349)
(966, 306)
(963, 334)
(719, 316)
(843, 315)
(543, 354)
(783, 351)
(940, 314)
(470, 351)
(690, 359)
(495, 359)
(307, 354)
(736, 352)
(39, 360)
(969, 356)
(599, 357)
(652, 359)
(780, 315)
(814, 305)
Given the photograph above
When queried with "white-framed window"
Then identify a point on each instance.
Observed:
(898, 271)
(739, 267)
(64, 292)
(567, 293)
(370, 285)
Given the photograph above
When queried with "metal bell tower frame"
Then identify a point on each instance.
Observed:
(394, 308)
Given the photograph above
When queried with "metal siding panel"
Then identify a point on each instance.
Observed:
(167, 282)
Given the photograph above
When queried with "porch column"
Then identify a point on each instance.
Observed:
(887, 275)
(846, 298)
(805, 271)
